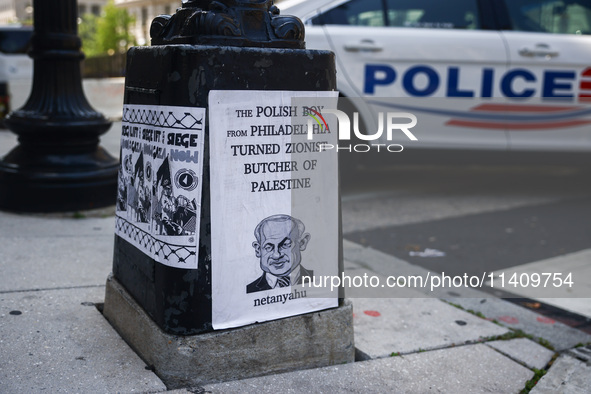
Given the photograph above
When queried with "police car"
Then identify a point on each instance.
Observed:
(511, 75)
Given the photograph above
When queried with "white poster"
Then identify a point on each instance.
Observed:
(159, 188)
(274, 197)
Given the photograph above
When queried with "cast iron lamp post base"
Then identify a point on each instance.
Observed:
(58, 164)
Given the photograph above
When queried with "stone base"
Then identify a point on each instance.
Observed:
(301, 342)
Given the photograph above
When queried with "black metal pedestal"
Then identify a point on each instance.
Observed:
(179, 300)
(208, 46)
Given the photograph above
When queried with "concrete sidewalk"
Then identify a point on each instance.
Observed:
(105, 95)
(53, 337)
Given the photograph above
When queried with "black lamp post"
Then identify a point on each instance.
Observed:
(58, 164)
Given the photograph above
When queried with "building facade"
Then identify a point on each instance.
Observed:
(16, 11)
(21, 11)
(91, 7)
(144, 12)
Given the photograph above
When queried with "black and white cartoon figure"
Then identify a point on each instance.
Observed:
(163, 196)
(142, 199)
(172, 215)
(185, 215)
(121, 192)
(280, 241)
(121, 186)
(131, 199)
(132, 189)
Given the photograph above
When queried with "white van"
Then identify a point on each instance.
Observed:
(16, 68)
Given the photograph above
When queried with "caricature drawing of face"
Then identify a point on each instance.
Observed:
(279, 247)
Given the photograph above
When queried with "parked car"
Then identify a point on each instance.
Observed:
(486, 75)
(16, 68)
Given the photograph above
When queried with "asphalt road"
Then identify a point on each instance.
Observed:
(479, 219)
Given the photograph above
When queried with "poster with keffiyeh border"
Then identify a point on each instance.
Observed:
(159, 187)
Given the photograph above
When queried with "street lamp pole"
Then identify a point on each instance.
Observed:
(58, 164)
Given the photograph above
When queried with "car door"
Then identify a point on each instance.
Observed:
(438, 60)
(550, 43)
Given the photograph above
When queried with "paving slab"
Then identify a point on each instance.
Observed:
(52, 252)
(567, 375)
(110, 140)
(59, 225)
(356, 288)
(57, 341)
(45, 263)
(465, 369)
(406, 325)
(8, 140)
(373, 261)
(379, 262)
(576, 264)
(574, 297)
(559, 335)
(524, 351)
(104, 94)
(582, 353)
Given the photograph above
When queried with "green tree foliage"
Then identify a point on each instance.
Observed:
(87, 33)
(107, 34)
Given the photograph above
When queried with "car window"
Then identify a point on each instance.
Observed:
(354, 12)
(15, 41)
(450, 14)
(551, 16)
